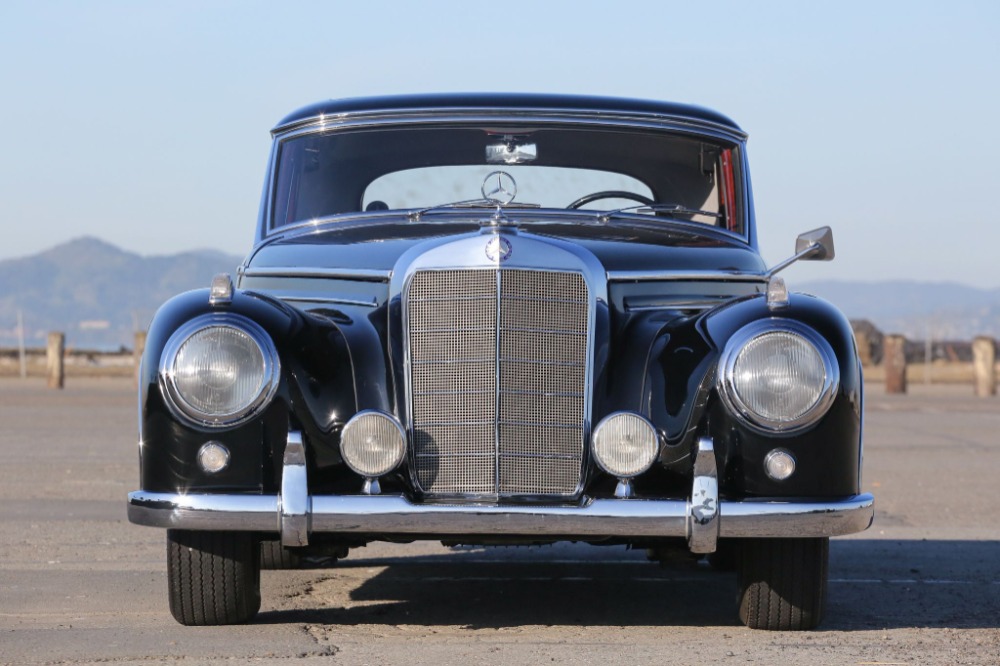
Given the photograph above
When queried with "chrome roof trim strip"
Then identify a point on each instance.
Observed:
(366, 274)
(427, 115)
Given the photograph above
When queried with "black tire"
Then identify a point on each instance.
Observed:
(213, 577)
(275, 556)
(782, 583)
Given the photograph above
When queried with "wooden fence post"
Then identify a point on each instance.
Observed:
(138, 349)
(54, 359)
(984, 358)
(894, 361)
(864, 343)
(22, 357)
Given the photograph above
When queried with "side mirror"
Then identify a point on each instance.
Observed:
(819, 241)
(815, 245)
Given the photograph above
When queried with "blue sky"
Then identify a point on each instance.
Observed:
(147, 124)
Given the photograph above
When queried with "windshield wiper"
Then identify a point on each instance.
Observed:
(670, 209)
(415, 215)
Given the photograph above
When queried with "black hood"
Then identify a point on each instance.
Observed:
(646, 247)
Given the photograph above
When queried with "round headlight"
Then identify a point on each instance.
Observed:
(218, 370)
(625, 444)
(372, 444)
(779, 376)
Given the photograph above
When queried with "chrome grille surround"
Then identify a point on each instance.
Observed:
(484, 422)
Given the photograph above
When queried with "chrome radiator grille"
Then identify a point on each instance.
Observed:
(498, 370)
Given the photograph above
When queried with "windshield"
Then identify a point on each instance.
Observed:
(325, 174)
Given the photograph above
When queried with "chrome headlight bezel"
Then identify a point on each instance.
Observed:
(826, 393)
(181, 408)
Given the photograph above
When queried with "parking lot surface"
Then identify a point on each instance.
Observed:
(79, 584)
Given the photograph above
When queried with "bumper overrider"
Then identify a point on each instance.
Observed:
(703, 519)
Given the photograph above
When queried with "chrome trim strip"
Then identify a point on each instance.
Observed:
(497, 388)
(366, 274)
(703, 507)
(701, 307)
(294, 502)
(680, 276)
(394, 514)
(325, 299)
(521, 115)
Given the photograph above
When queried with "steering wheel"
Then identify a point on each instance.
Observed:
(610, 194)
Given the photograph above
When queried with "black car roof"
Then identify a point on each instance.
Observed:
(514, 101)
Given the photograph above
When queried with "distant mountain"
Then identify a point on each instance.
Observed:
(95, 292)
(99, 295)
(939, 310)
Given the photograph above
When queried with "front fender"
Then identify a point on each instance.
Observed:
(316, 394)
(683, 401)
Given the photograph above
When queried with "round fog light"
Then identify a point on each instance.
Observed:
(213, 457)
(625, 444)
(779, 464)
(372, 444)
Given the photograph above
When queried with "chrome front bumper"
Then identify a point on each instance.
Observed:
(294, 514)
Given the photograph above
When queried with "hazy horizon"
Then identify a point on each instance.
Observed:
(789, 274)
(99, 294)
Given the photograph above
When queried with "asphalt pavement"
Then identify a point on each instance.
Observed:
(79, 584)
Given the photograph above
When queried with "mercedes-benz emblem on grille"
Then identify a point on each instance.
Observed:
(498, 249)
(499, 187)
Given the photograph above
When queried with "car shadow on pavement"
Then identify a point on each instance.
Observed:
(888, 584)
(496, 595)
(874, 584)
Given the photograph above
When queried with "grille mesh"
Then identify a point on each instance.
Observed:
(498, 367)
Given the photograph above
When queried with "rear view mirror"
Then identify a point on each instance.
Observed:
(511, 152)
(815, 245)
(819, 240)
